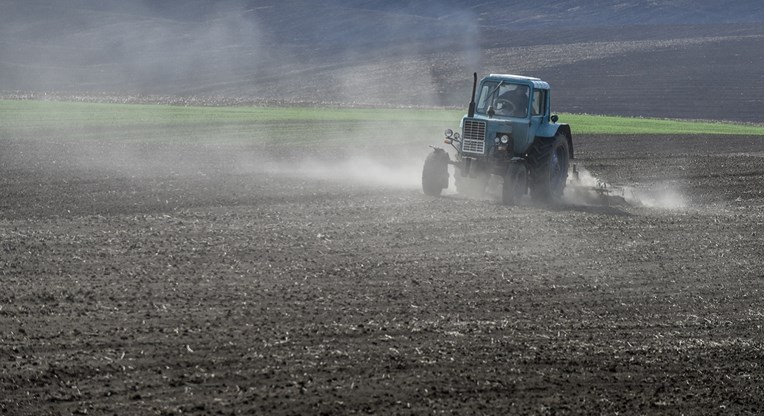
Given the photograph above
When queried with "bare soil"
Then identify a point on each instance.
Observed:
(213, 290)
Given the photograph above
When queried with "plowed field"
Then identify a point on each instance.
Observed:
(207, 281)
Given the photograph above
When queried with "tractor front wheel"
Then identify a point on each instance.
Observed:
(435, 173)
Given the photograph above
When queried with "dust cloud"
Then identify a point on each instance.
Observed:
(357, 170)
(214, 53)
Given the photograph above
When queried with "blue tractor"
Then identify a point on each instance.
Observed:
(508, 133)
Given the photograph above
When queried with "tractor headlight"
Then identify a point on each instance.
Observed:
(457, 136)
(448, 133)
(504, 139)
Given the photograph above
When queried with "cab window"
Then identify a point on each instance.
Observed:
(538, 103)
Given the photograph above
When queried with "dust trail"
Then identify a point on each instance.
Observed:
(401, 173)
(665, 197)
(588, 189)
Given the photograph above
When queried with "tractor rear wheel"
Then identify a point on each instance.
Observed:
(514, 185)
(435, 173)
(549, 170)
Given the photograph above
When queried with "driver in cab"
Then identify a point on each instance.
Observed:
(513, 102)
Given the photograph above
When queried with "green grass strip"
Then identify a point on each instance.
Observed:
(28, 118)
(24, 112)
(596, 124)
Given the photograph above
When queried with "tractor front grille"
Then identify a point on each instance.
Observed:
(473, 134)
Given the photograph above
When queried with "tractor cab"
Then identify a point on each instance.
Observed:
(512, 106)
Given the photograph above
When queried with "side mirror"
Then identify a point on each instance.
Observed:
(554, 118)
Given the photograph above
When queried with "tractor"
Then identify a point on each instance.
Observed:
(508, 134)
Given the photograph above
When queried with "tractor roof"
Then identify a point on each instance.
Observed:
(520, 79)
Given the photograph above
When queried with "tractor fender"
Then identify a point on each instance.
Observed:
(565, 130)
(549, 131)
(562, 129)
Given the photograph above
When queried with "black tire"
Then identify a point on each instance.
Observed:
(549, 168)
(435, 173)
(515, 183)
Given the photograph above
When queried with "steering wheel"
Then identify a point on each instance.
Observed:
(505, 106)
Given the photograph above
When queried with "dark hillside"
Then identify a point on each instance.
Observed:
(695, 80)
(359, 52)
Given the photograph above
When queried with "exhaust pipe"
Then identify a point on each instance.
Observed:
(465, 170)
(471, 107)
